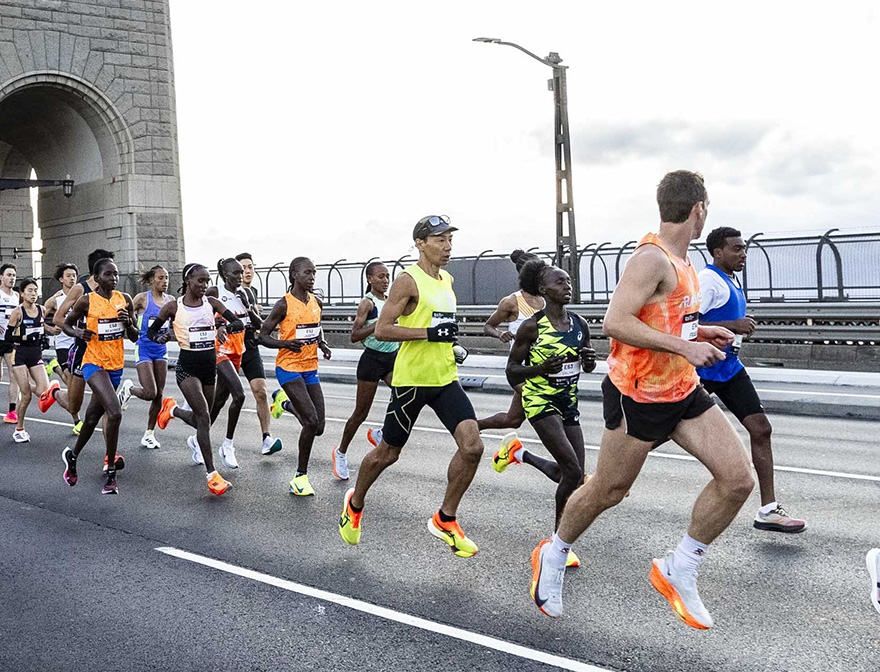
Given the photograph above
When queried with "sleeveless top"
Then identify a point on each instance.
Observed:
(106, 348)
(525, 312)
(78, 342)
(423, 363)
(302, 322)
(733, 309)
(649, 376)
(553, 343)
(31, 329)
(250, 333)
(234, 344)
(8, 303)
(149, 314)
(371, 341)
(194, 327)
(62, 340)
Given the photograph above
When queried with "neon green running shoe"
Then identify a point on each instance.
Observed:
(300, 486)
(279, 396)
(78, 427)
(452, 534)
(52, 366)
(349, 521)
(504, 456)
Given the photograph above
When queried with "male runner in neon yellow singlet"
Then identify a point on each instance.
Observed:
(420, 314)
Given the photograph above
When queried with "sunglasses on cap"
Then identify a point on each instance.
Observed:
(435, 221)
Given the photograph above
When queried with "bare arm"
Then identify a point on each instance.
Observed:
(516, 371)
(79, 310)
(642, 281)
(167, 312)
(359, 328)
(744, 325)
(74, 295)
(128, 321)
(506, 311)
(279, 312)
(403, 290)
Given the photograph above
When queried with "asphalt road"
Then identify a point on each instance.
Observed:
(82, 585)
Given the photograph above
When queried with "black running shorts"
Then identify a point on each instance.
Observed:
(28, 355)
(738, 394)
(373, 365)
(449, 402)
(75, 357)
(201, 364)
(252, 364)
(61, 354)
(650, 422)
(6, 347)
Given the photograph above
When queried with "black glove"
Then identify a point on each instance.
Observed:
(445, 332)
(234, 327)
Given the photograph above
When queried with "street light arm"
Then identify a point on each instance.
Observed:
(545, 61)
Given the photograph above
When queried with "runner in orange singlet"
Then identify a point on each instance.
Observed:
(652, 392)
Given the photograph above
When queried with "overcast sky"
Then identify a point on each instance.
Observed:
(327, 129)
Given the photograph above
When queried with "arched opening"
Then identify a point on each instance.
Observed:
(55, 125)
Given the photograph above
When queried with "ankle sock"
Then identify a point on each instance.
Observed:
(767, 508)
(559, 549)
(266, 435)
(444, 518)
(227, 443)
(518, 454)
(689, 553)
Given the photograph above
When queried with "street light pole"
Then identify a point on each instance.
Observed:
(566, 236)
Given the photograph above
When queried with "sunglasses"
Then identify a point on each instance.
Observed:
(436, 220)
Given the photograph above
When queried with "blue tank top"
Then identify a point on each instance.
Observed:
(734, 309)
(150, 312)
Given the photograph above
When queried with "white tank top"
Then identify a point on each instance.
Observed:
(194, 327)
(8, 303)
(62, 340)
(233, 302)
(525, 312)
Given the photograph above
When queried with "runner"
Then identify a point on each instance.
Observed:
(108, 316)
(151, 357)
(76, 385)
(513, 309)
(192, 318)
(67, 275)
(554, 344)
(252, 362)
(420, 314)
(9, 301)
(652, 391)
(298, 318)
(26, 330)
(723, 304)
(229, 353)
(376, 362)
(872, 560)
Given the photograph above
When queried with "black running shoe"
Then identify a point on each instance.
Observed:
(110, 484)
(70, 466)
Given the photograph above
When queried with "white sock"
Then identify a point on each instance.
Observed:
(518, 454)
(149, 432)
(689, 553)
(208, 475)
(767, 508)
(558, 554)
(227, 443)
(174, 408)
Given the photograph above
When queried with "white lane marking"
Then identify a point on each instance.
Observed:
(665, 456)
(56, 422)
(388, 614)
(824, 394)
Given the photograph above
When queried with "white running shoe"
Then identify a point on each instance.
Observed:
(374, 436)
(873, 562)
(227, 456)
(193, 444)
(270, 446)
(546, 588)
(21, 436)
(124, 393)
(149, 440)
(339, 464)
(680, 589)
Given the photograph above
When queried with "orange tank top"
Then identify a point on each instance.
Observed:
(650, 376)
(106, 347)
(302, 322)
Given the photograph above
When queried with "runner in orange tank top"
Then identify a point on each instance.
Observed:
(652, 393)
(109, 317)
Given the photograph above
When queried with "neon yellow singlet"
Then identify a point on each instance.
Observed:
(422, 363)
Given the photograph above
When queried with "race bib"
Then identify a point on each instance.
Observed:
(690, 325)
(202, 338)
(568, 375)
(109, 329)
(308, 333)
(737, 344)
(33, 331)
(438, 317)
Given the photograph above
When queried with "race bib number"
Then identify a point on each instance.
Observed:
(690, 325)
(308, 333)
(438, 317)
(737, 344)
(32, 332)
(109, 329)
(569, 374)
(202, 338)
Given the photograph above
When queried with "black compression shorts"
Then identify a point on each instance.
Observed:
(449, 402)
(28, 355)
(201, 364)
(252, 363)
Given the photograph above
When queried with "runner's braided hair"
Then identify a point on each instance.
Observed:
(531, 275)
(147, 276)
(520, 257)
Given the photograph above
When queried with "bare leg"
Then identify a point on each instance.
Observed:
(463, 465)
(512, 419)
(9, 361)
(228, 384)
(366, 392)
(199, 399)
(261, 398)
(160, 375)
(308, 402)
(374, 463)
(104, 402)
(760, 430)
(147, 379)
(76, 391)
(20, 373)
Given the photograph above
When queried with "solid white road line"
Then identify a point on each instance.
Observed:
(388, 614)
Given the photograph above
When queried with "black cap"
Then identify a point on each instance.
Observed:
(432, 225)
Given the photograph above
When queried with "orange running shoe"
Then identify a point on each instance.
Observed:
(166, 412)
(452, 534)
(217, 484)
(680, 590)
(119, 462)
(48, 397)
